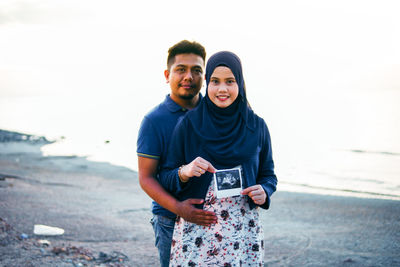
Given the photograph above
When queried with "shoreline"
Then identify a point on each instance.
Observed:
(99, 206)
(326, 191)
(105, 153)
(103, 210)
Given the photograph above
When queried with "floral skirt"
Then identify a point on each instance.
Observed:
(237, 239)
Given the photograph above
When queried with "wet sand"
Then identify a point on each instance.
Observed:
(102, 209)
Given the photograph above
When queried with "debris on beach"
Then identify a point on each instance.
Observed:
(75, 252)
(5, 236)
(40, 229)
(80, 253)
(40, 252)
(349, 260)
(24, 236)
(115, 256)
(44, 242)
(8, 136)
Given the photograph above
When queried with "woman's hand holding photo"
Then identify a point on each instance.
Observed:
(256, 193)
(197, 167)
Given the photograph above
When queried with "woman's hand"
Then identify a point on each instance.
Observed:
(195, 168)
(256, 193)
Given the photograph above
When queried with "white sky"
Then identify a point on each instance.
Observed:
(327, 61)
(53, 46)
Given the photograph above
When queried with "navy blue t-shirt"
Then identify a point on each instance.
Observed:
(154, 137)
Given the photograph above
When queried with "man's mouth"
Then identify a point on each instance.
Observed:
(186, 86)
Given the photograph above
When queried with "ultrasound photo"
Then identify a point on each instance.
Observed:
(228, 182)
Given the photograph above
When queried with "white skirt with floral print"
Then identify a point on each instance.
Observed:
(237, 239)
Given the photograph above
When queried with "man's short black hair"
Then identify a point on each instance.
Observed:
(185, 47)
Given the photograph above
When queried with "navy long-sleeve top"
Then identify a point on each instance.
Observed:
(257, 169)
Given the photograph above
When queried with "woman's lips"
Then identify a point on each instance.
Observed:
(222, 98)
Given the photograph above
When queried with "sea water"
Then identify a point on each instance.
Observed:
(336, 145)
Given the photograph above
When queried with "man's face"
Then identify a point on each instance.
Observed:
(185, 76)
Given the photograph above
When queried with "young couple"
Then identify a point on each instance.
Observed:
(183, 141)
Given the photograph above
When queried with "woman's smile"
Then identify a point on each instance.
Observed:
(222, 88)
(222, 98)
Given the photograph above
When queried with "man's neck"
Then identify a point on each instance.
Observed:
(186, 103)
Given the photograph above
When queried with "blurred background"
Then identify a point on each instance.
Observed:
(325, 76)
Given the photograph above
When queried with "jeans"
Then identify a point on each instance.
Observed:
(163, 230)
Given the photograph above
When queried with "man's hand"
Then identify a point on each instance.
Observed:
(194, 215)
(256, 193)
(196, 168)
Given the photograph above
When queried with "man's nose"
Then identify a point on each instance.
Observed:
(188, 75)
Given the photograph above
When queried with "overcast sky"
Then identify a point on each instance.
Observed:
(324, 66)
(53, 46)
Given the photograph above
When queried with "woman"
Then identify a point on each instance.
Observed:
(222, 133)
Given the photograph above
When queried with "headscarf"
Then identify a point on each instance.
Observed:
(229, 136)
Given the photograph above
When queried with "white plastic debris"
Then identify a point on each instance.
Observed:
(44, 242)
(40, 229)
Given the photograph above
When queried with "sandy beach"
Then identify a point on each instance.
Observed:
(105, 215)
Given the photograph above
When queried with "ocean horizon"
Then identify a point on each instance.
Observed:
(307, 159)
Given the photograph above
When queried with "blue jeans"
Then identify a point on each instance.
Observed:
(163, 230)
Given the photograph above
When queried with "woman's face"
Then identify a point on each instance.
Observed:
(222, 89)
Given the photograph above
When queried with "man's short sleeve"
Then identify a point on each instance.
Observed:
(148, 142)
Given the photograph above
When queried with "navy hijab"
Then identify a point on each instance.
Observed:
(229, 136)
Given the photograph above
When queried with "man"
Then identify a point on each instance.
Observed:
(185, 65)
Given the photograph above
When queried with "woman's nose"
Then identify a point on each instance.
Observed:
(222, 87)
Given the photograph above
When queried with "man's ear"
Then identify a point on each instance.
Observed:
(166, 75)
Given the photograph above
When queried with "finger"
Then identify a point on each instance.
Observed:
(211, 168)
(202, 165)
(207, 166)
(205, 221)
(195, 201)
(255, 193)
(196, 173)
(256, 198)
(205, 213)
(202, 171)
(199, 211)
(247, 190)
(259, 200)
(196, 169)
